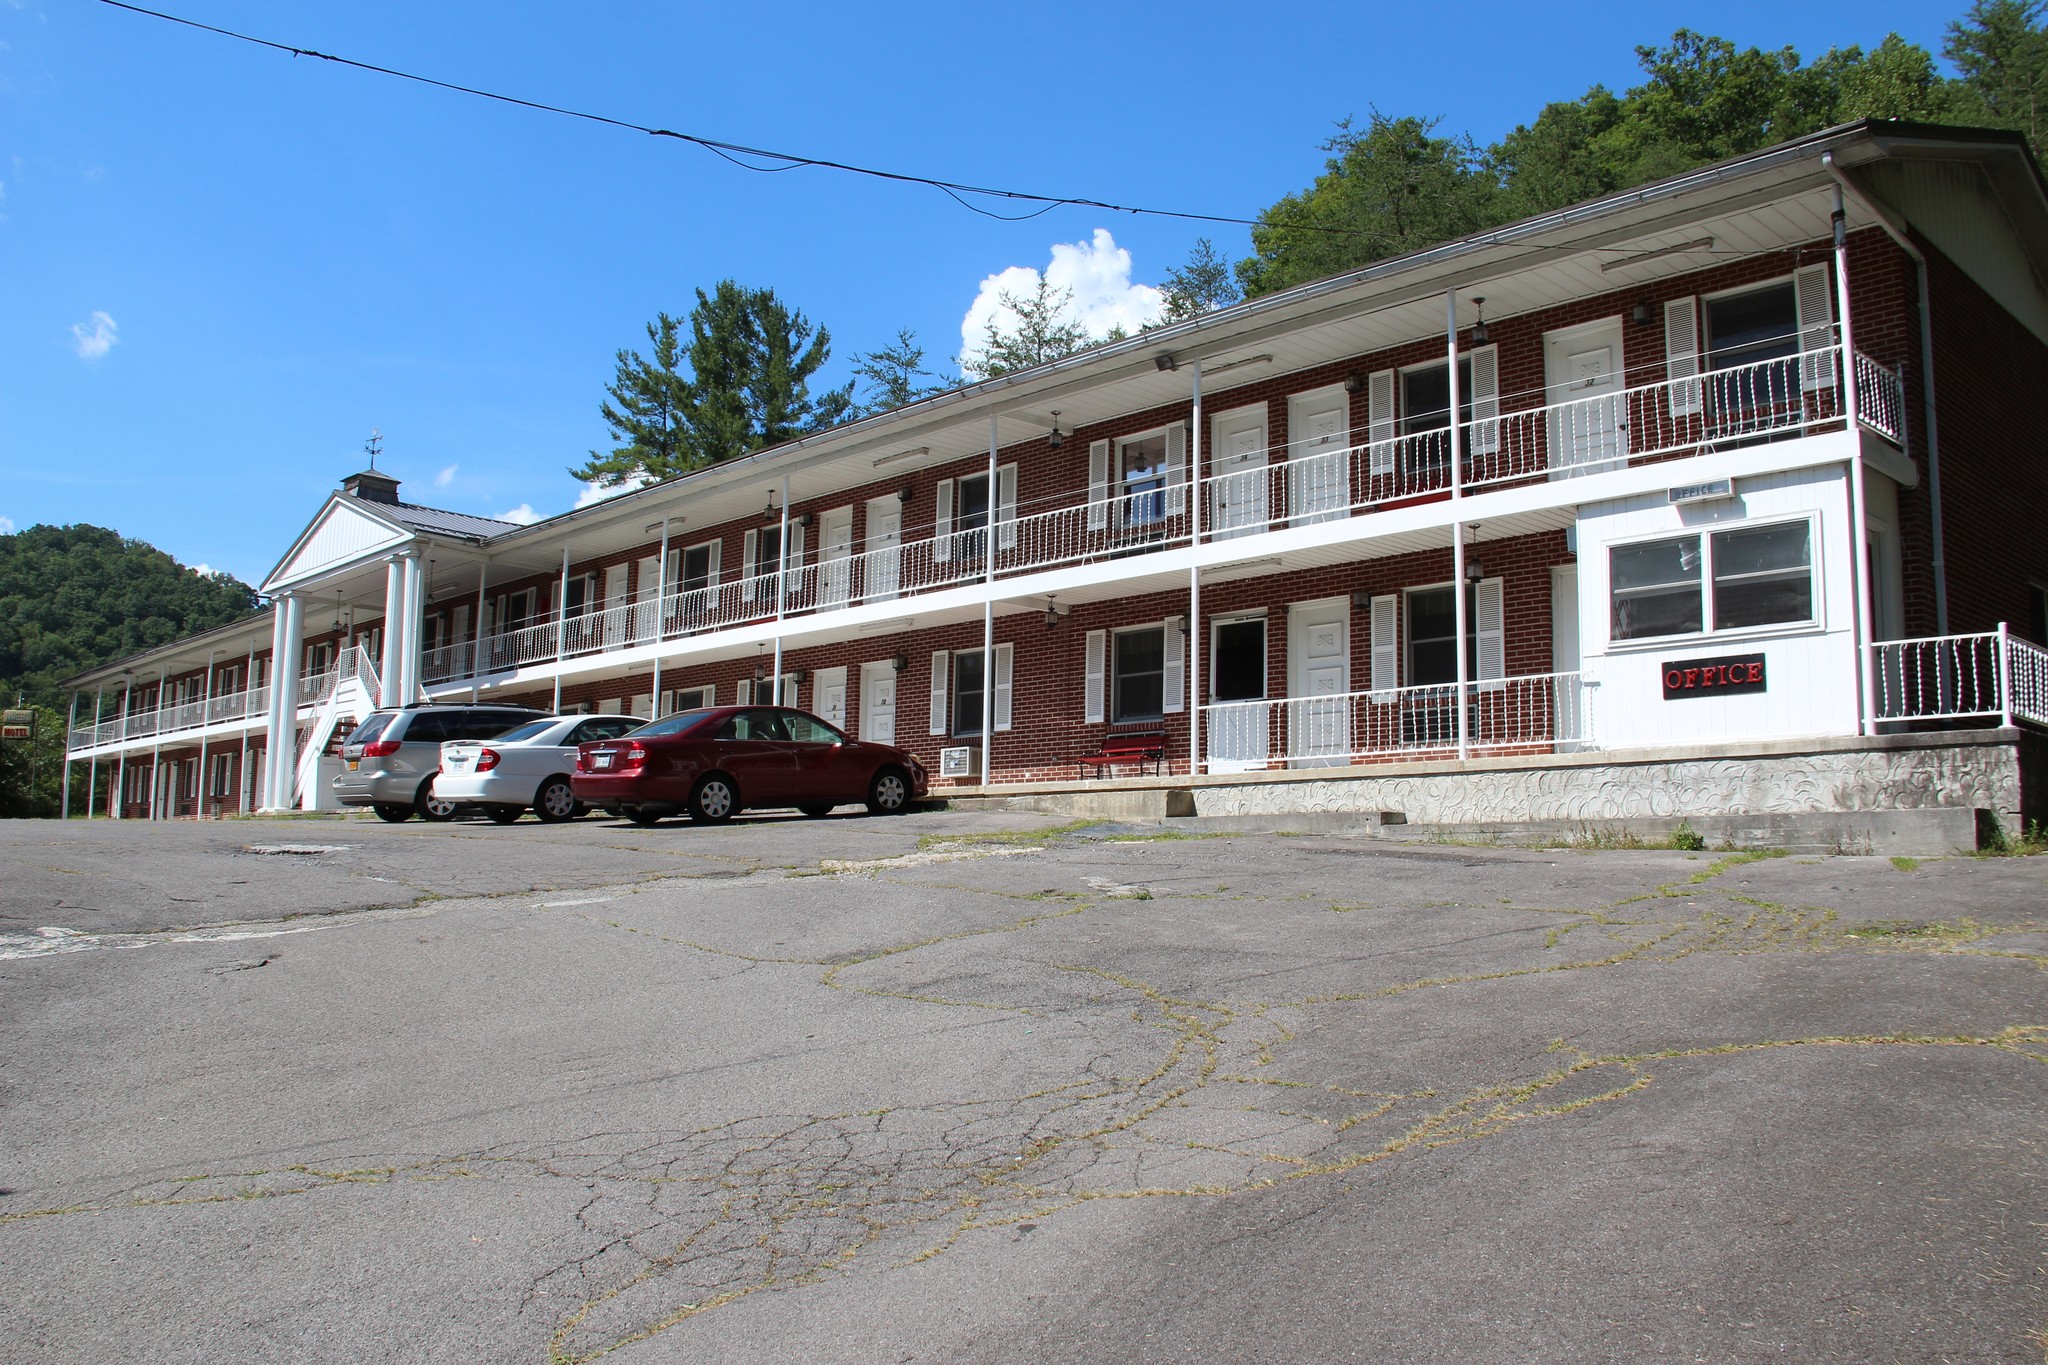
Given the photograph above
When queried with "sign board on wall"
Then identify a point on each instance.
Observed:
(1713, 677)
(17, 725)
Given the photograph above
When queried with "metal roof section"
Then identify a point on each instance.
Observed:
(442, 522)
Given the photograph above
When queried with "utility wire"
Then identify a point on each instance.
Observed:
(734, 152)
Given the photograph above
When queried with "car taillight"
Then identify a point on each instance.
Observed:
(380, 748)
(486, 760)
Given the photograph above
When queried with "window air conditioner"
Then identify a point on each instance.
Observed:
(963, 761)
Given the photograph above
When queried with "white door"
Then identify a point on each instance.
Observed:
(1237, 466)
(1239, 724)
(1318, 676)
(884, 573)
(615, 605)
(830, 695)
(878, 702)
(835, 557)
(645, 620)
(1582, 375)
(1318, 455)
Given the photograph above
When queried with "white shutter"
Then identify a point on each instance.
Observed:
(1491, 631)
(1816, 300)
(1003, 663)
(747, 556)
(790, 693)
(1173, 684)
(1006, 507)
(716, 546)
(743, 692)
(1379, 422)
(1485, 400)
(942, 525)
(1098, 486)
(794, 580)
(1098, 647)
(1176, 468)
(1681, 355)
(1386, 647)
(938, 726)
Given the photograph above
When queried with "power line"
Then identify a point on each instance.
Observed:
(734, 152)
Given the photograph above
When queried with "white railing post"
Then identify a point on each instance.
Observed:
(2003, 669)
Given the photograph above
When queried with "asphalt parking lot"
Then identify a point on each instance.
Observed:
(985, 1087)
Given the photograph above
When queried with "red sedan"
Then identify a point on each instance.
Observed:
(720, 760)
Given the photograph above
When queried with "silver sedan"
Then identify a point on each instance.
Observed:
(526, 767)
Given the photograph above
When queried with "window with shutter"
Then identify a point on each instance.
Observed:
(1386, 647)
(942, 524)
(1006, 507)
(1176, 468)
(1490, 628)
(1816, 304)
(938, 725)
(1092, 700)
(1682, 354)
(1098, 485)
(1173, 674)
(1003, 689)
(1485, 430)
(1379, 422)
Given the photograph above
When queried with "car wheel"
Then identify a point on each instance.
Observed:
(392, 811)
(643, 815)
(430, 807)
(817, 810)
(503, 815)
(714, 800)
(889, 793)
(554, 802)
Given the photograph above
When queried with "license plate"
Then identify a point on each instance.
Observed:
(352, 765)
(458, 762)
(600, 760)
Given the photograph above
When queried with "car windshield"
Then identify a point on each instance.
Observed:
(529, 730)
(682, 722)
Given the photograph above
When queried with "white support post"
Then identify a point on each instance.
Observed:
(394, 612)
(121, 758)
(415, 621)
(1194, 630)
(205, 719)
(1457, 525)
(64, 792)
(156, 746)
(561, 626)
(476, 634)
(1862, 628)
(988, 612)
(92, 771)
(660, 619)
(281, 752)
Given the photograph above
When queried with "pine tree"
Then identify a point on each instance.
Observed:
(1201, 286)
(1042, 332)
(894, 375)
(646, 412)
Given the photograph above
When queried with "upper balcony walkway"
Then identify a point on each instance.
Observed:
(230, 711)
(1501, 446)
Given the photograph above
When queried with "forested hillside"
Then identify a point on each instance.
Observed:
(75, 596)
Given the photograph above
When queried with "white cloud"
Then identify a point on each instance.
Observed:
(1097, 272)
(6, 527)
(97, 342)
(597, 492)
(446, 476)
(523, 515)
(203, 570)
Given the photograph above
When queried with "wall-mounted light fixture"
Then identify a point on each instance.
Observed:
(1053, 613)
(1639, 313)
(1473, 570)
(900, 662)
(1361, 600)
(1165, 362)
(796, 675)
(771, 512)
(1480, 336)
(800, 520)
(1055, 438)
(1354, 383)
(905, 494)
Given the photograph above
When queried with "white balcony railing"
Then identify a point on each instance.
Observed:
(228, 706)
(1764, 400)
(1542, 713)
(1990, 676)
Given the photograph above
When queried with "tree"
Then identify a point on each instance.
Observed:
(1041, 332)
(1201, 286)
(894, 375)
(1391, 189)
(2002, 54)
(646, 413)
(751, 359)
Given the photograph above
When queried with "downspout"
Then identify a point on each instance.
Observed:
(1919, 259)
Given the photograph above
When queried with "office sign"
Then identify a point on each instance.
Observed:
(1713, 677)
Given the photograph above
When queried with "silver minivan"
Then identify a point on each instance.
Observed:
(389, 761)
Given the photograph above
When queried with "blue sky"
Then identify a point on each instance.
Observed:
(220, 266)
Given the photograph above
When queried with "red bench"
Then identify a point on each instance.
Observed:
(1128, 746)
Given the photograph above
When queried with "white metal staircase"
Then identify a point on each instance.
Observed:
(354, 695)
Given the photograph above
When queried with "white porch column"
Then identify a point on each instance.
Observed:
(156, 746)
(281, 746)
(415, 629)
(660, 616)
(1862, 629)
(205, 719)
(988, 614)
(121, 758)
(476, 634)
(1193, 635)
(394, 612)
(92, 772)
(1458, 526)
(64, 792)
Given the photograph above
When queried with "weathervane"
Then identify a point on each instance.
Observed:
(375, 445)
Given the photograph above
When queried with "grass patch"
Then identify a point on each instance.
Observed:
(1905, 864)
(2002, 843)
(1003, 836)
(1916, 931)
(1164, 836)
